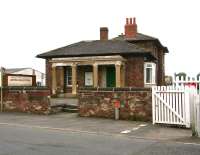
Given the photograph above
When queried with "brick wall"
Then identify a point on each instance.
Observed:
(161, 69)
(134, 72)
(135, 103)
(28, 100)
(159, 54)
(48, 74)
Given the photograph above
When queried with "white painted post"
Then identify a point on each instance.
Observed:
(187, 107)
(165, 108)
(198, 115)
(180, 105)
(116, 113)
(158, 107)
(153, 104)
(193, 117)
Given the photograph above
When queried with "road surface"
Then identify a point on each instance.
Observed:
(19, 140)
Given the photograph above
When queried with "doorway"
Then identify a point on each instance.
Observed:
(110, 76)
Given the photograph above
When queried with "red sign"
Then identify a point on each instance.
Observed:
(117, 104)
(191, 84)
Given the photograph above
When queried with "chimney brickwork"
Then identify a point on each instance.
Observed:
(103, 33)
(130, 28)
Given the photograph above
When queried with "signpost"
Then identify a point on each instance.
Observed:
(117, 106)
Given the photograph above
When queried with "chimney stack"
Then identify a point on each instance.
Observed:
(130, 28)
(104, 33)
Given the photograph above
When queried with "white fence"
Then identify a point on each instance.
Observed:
(171, 105)
(187, 81)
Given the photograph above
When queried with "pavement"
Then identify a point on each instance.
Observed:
(73, 123)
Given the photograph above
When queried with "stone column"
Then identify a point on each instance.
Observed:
(54, 82)
(74, 79)
(62, 79)
(95, 75)
(118, 74)
(123, 75)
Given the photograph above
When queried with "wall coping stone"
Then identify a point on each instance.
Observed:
(25, 88)
(112, 89)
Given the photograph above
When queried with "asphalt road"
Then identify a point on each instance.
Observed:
(16, 140)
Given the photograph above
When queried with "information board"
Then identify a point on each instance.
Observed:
(19, 81)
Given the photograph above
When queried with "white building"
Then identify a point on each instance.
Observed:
(40, 77)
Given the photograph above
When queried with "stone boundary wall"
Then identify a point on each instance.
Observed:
(135, 103)
(26, 99)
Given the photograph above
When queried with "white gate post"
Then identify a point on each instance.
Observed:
(198, 116)
(187, 107)
(153, 104)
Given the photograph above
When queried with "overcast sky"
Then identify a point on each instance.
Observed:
(30, 27)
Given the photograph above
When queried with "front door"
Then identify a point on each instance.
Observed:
(110, 76)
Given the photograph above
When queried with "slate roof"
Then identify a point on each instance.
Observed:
(95, 48)
(13, 70)
(139, 37)
(142, 37)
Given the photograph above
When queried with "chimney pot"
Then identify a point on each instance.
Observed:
(134, 22)
(127, 21)
(103, 33)
(131, 21)
(130, 28)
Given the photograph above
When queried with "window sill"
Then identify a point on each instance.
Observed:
(149, 84)
(69, 86)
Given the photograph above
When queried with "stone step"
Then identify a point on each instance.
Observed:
(71, 110)
(66, 95)
(63, 102)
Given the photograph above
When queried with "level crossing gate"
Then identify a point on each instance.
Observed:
(171, 105)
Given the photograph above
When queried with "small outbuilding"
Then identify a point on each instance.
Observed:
(40, 77)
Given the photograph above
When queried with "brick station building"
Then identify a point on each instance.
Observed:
(129, 60)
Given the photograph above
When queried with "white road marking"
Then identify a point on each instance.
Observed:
(142, 125)
(136, 128)
(126, 131)
(190, 143)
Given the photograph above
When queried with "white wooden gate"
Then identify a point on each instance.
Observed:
(170, 105)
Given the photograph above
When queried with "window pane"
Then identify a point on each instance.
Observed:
(149, 65)
(148, 75)
(69, 82)
(69, 76)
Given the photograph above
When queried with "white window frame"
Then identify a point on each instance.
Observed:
(67, 76)
(89, 75)
(153, 78)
